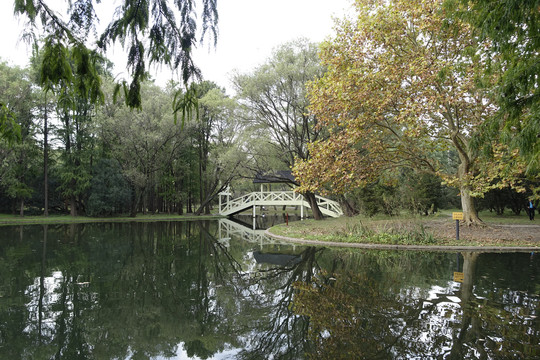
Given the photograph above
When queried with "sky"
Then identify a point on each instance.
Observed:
(248, 32)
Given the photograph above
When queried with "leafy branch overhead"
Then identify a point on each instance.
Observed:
(513, 30)
(151, 31)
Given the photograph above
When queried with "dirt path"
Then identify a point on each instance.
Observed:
(447, 230)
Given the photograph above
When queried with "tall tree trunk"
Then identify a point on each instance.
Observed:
(470, 215)
(180, 203)
(69, 160)
(180, 207)
(349, 210)
(153, 195)
(77, 149)
(201, 182)
(45, 162)
(21, 209)
(310, 197)
(144, 196)
(134, 201)
(190, 202)
(73, 205)
(207, 209)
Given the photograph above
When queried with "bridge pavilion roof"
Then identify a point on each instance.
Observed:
(280, 176)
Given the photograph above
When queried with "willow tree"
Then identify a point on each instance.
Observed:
(275, 96)
(402, 84)
(149, 30)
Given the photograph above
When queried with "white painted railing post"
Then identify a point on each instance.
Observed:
(224, 193)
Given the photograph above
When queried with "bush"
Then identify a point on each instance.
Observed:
(377, 198)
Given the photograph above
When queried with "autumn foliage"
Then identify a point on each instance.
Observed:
(405, 82)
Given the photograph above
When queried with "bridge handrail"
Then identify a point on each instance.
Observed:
(328, 204)
(260, 197)
(248, 199)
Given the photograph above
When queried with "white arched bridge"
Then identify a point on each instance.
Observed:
(228, 206)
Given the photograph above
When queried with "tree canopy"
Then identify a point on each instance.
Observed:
(403, 83)
(9, 129)
(275, 97)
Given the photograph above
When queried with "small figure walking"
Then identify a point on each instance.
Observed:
(530, 209)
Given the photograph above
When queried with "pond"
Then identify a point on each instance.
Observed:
(218, 290)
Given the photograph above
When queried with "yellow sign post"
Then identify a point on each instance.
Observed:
(457, 216)
(458, 276)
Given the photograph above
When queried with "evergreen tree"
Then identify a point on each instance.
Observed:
(18, 160)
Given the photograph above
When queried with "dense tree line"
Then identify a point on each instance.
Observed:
(105, 158)
(397, 122)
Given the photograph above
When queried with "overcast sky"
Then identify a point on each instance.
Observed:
(248, 31)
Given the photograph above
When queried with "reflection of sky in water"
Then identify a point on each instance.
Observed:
(250, 269)
(440, 310)
(51, 296)
(181, 354)
(257, 283)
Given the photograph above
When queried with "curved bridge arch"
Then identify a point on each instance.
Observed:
(228, 206)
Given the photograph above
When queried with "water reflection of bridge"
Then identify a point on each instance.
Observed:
(229, 228)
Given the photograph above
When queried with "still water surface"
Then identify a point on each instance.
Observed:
(215, 290)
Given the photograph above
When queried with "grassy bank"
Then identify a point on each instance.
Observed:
(437, 230)
(66, 219)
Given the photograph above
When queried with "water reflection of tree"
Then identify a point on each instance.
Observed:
(356, 314)
(147, 289)
(13, 254)
(141, 290)
(126, 290)
(353, 316)
(30, 334)
(281, 333)
(495, 323)
(168, 293)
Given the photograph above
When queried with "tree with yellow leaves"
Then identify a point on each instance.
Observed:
(404, 81)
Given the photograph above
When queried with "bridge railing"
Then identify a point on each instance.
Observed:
(261, 198)
(279, 198)
(228, 229)
(330, 205)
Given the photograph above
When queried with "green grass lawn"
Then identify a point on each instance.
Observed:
(405, 229)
